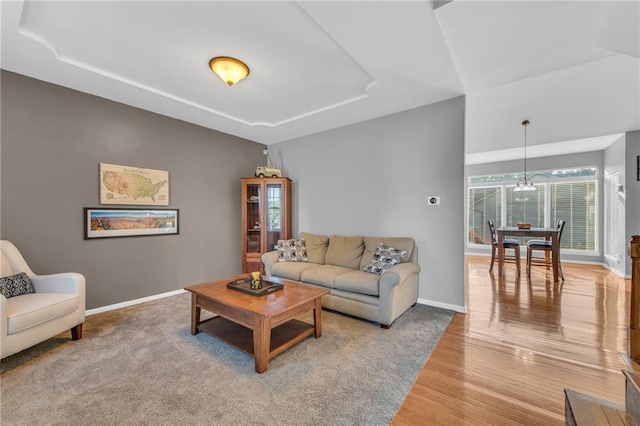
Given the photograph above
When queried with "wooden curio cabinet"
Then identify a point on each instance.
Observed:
(266, 218)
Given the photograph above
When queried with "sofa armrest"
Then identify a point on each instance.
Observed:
(397, 274)
(69, 282)
(269, 259)
(398, 291)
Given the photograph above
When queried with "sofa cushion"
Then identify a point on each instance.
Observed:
(358, 282)
(292, 250)
(371, 244)
(316, 246)
(29, 310)
(345, 251)
(384, 258)
(290, 270)
(15, 285)
(323, 275)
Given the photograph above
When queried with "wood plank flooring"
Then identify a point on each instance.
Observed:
(508, 360)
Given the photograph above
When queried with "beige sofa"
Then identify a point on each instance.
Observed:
(337, 263)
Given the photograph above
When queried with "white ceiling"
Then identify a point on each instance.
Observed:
(324, 64)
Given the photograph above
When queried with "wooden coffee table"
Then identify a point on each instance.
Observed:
(262, 326)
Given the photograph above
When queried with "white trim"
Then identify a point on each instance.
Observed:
(457, 308)
(598, 143)
(132, 302)
(615, 271)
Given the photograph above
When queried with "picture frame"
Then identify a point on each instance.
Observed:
(125, 222)
(131, 185)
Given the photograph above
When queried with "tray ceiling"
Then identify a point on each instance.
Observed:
(314, 65)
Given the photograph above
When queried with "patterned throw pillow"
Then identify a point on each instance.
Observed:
(16, 285)
(292, 251)
(384, 258)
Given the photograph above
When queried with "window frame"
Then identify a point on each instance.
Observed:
(547, 207)
(611, 196)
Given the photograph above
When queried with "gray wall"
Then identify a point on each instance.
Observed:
(373, 179)
(594, 158)
(54, 138)
(632, 190)
(614, 161)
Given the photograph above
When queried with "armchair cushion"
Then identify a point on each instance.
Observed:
(30, 310)
(16, 285)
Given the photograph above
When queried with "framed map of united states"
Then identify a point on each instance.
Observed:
(133, 185)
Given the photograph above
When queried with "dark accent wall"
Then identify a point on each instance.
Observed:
(53, 140)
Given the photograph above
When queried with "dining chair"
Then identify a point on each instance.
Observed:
(544, 245)
(508, 243)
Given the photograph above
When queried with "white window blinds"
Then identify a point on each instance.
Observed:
(484, 204)
(575, 202)
(614, 218)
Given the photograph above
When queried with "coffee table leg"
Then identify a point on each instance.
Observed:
(317, 317)
(261, 343)
(195, 315)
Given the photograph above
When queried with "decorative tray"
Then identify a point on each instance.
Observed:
(244, 285)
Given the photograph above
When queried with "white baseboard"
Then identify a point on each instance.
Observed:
(615, 271)
(581, 262)
(132, 302)
(457, 308)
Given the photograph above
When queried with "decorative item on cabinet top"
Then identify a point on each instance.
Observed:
(270, 169)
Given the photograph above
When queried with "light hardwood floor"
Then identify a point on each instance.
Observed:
(507, 361)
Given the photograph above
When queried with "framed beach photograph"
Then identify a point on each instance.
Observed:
(106, 223)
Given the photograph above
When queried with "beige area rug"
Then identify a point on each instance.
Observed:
(141, 366)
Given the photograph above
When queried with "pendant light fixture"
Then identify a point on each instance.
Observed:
(230, 70)
(525, 184)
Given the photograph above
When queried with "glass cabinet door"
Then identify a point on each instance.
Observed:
(254, 220)
(275, 230)
(266, 218)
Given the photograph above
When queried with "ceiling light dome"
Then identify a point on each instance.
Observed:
(230, 70)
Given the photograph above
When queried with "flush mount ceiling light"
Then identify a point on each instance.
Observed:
(525, 184)
(230, 70)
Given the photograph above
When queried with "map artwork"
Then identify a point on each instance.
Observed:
(133, 185)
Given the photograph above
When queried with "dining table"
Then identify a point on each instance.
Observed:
(552, 234)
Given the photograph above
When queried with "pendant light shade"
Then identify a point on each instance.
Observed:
(525, 184)
(230, 70)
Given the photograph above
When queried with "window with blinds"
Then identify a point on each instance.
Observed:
(569, 194)
(613, 217)
(525, 207)
(484, 204)
(575, 202)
